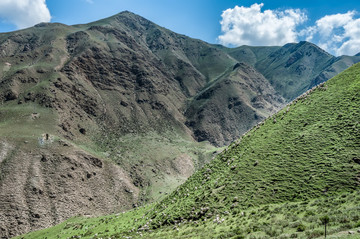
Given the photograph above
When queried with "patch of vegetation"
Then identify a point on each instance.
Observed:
(281, 220)
(26, 121)
(166, 168)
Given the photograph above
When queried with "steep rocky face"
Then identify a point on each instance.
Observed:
(232, 105)
(131, 89)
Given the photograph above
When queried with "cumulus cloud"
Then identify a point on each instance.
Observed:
(338, 33)
(24, 13)
(250, 26)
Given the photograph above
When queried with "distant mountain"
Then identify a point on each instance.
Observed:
(295, 67)
(124, 109)
(231, 104)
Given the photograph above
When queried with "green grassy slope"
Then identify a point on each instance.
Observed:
(309, 149)
(285, 220)
(276, 181)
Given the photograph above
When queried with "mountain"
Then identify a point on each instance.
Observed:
(231, 104)
(279, 180)
(93, 117)
(106, 116)
(295, 67)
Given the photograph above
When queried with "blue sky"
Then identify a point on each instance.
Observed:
(216, 21)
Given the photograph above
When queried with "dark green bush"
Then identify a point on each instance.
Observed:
(300, 228)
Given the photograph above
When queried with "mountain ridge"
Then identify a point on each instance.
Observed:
(287, 67)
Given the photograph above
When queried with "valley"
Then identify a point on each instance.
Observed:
(114, 115)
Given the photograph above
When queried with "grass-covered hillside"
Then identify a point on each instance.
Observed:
(277, 181)
(283, 220)
(309, 149)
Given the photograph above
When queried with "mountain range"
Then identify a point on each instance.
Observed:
(110, 115)
(287, 177)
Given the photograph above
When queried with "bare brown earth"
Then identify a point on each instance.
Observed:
(42, 187)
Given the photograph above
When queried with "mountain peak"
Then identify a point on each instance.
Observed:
(311, 45)
(124, 16)
(129, 15)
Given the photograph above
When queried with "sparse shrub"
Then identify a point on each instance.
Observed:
(239, 237)
(300, 228)
(284, 223)
(88, 233)
(344, 219)
(255, 228)
(346, 227)
(248, 230)
(309, 213)
(314, 234)
(271, 232)
(295, 224)
(357, 224)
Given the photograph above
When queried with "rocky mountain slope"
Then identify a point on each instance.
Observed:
(129, 96)
(295, 67)
(280, 180)
(231, 104)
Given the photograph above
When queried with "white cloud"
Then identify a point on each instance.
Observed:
(24, 13)
(327, 24)
(350, 47)
(251, 26)
(339, 33)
